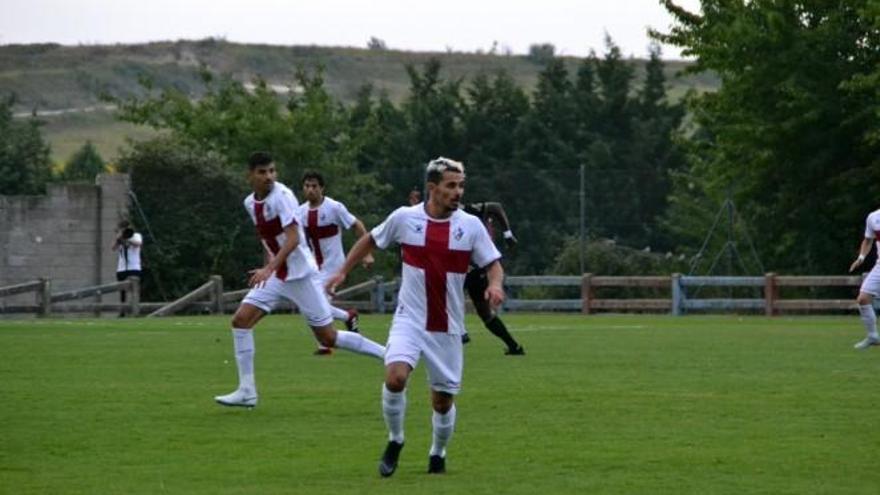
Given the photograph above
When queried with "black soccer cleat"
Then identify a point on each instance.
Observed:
(516, 351)
(465, 338)
(389, 459)
(352, 324)
(436, 464)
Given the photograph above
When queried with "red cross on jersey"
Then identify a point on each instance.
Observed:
(270, 215)
(322, 226)
(436, 254)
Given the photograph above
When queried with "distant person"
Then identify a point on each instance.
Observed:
(415, 197)
(438, 241)
(323, 221)
(291, 274)
(127, 246)
(871, 285)
(492, 215)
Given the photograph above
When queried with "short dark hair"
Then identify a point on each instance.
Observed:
(312, 175)
(436, 167)
(259, 159)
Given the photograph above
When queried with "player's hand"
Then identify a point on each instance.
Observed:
(335, 281)
(368, 261)
(856, 263)
(495, 296)
(259, 276)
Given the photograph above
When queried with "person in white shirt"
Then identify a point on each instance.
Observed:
(127, 246)
(438, 242)
(323, 220)
(871, 284)
(291, 274)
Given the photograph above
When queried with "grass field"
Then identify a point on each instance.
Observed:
(601, 404)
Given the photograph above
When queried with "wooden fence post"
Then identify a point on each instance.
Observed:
(378, 295)
(771, 294)
(217, 295)
(675, 286)
(587, 293)
(134, 295)
(44, 297)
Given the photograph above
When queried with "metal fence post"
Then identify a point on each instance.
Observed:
(677, 295)
(379, 294)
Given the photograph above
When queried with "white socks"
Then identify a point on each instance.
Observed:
(356, 342)
(338, 314)
(869, 319)
(394, 410)
(243, 342)
(444, 425)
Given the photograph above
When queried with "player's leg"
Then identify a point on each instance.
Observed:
(869, 290)
(403, 351)
(121, 276)
(477, 292)
(308, 294)
(444, 361)
(246, 317)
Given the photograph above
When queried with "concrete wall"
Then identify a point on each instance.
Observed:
(64, 235)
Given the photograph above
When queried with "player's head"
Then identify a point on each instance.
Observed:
(415, 196)
(313, 186)
(445, 183)
(261, 172)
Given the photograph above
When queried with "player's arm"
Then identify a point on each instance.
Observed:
(864, 249)
(361, 249)
(495, 291)
(496, 211)
(291, 241)
(360, 231)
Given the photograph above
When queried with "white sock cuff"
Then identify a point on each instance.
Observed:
(392, 397)
(444, 419)
(338, 314)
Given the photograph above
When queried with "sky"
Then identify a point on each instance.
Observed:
(574, 27)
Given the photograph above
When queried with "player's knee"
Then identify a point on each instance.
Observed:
(864, 299)
(395, 382)
(442, 402)
(240, 320)
(326, 336)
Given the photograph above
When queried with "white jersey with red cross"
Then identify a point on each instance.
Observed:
(322, 227)
(271, 215)
(436, 254)
(872, 230)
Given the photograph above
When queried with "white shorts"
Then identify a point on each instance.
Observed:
(307, 293)
(871, 284)
(444, 357)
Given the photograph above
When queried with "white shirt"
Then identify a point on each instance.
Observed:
(271, 215)
(436, 255)
(130, 254)
(322, 228)
(872, 230)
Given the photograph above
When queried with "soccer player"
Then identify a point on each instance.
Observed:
(871, 285)
(322, 219)
(128, 250)
(291, 273)
(491, 214)
(438, 241)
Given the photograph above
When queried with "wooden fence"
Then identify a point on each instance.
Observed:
(679, 295)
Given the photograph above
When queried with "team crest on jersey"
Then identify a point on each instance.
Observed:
(418, 227)
(459, 233)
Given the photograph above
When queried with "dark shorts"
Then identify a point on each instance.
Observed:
(476, 282)
(120, 276)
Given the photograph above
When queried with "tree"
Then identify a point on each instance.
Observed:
(376, 44)
(542, 53)
(25, 167)
(85, 164)
(792, 131)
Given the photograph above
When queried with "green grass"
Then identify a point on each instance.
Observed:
(601, 404)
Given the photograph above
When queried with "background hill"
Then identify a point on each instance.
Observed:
(64, 83)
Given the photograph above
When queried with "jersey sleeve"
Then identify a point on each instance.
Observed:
(869, 231)
(484, 251)
(388, 231)
(288, 208)
(346, 219)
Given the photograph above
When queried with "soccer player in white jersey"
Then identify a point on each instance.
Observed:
(438, 241)
(871, 285)
(323, 218)
(291, 274)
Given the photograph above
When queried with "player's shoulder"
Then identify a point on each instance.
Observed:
(467, 218)
(248, 200)
(332, 204)
(874, 217)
